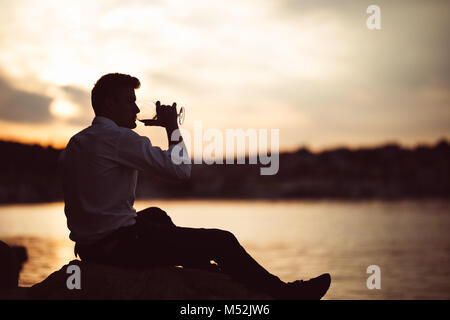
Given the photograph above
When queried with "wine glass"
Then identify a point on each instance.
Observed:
(148, 111)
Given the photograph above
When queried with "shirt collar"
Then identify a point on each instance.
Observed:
(103, 120)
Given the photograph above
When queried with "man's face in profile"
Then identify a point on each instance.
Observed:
(124, 108)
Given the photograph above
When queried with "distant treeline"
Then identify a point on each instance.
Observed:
(28, 173)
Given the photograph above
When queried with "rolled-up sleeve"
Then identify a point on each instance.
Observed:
(137, 152)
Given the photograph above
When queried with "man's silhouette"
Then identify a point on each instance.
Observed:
(99, 168)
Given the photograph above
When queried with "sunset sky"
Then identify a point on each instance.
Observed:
(310, 68)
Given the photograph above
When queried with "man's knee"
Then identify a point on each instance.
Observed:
(155, 215)
(225, 236)
(152, 210)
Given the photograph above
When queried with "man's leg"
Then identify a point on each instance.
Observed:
(155, 241)
(159, 242)
(186, 246)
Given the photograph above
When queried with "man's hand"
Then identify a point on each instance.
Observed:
(167, 117)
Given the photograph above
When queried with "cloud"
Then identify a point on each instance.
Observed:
(409, 50)
(82, 99)
(22, 106)
(77, 95)
(312, 59)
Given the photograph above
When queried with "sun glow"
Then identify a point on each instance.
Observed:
(314, 71)
(63, 109)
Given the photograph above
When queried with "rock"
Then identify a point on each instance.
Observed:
(11, 260)
(21, 255)
(108, 282)
(17, 293)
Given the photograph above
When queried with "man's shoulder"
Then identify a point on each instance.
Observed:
(81, 132)
(106, 135)
(100, 130)
(80, 135)
(129, 136)
(94, 134)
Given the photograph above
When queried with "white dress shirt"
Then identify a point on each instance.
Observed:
(99, 169)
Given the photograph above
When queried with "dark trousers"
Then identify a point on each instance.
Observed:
(155, 241)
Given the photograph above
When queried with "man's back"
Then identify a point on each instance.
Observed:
(98, 190)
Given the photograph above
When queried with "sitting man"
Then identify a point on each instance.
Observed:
(99, 171)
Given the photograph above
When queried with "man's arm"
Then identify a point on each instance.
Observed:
(169, 132)
(137, 152)
(166, 116)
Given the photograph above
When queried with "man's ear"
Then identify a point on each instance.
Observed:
(108, 105)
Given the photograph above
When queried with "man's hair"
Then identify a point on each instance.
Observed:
(108, 86)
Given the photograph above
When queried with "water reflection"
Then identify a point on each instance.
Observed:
(294, 240)
(44, 257)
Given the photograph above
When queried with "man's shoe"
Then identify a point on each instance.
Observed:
(313, 289)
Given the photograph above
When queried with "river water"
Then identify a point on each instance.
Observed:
(408, 240)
